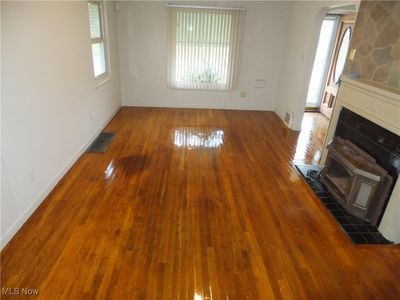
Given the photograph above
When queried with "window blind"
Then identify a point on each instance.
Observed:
(205, 48)
(94, 20)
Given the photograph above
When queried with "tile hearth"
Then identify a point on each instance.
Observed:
(357, 230)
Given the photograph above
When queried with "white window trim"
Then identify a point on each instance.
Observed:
(236, 46)
(106, 76)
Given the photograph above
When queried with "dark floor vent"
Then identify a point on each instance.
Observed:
(101, 143)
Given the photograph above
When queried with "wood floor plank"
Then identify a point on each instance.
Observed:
(195, 204)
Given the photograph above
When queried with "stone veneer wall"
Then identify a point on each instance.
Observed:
(376, 38)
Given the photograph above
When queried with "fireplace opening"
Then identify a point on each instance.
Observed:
(380, 143)
(338, 176)
(355, 180)
(362, 165)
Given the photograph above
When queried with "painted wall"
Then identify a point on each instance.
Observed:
(48, 94)
(376, 39)
(301, 43)
(143, 61)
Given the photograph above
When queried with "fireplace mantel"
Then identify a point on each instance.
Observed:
(383, 108)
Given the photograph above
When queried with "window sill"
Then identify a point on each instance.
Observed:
(100, 81)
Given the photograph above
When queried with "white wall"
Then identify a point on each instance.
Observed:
(300, 47)
(48, 93)
(142, 32)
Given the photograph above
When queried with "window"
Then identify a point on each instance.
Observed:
(342, 55)
(97, 35)
(204, 47)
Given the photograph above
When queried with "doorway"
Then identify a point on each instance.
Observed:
(341, 49)
(322, 61)
(330, 58)
(332, 50)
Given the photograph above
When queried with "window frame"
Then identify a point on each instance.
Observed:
(236, 47)
(101, 78)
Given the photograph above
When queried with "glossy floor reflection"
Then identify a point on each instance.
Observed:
(198, 137)
(311, 139)
(109, 173)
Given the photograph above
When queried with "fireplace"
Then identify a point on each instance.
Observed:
(356, 180)
(368, 117)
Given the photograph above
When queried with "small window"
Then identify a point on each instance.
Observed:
(204, 47)
(98, 40)
(342, 55)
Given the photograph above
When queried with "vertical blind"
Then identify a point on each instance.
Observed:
(205, 48)
(94, 19)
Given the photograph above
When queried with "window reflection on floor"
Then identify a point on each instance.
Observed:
(197, 297)
(198, 138)
(311, 138)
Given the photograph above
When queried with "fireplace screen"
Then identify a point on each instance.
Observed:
(357, 182)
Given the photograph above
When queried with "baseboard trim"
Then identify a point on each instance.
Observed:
(294, 128)
(9, 234)
(389, 234)
(196, 106)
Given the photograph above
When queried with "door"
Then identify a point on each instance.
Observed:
(326, 44)
(338, 61)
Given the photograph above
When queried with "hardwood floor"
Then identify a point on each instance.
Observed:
(309, 145)
(193, 204)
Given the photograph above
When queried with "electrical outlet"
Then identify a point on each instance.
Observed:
(243, 94)
(91, 115)
(32, 174)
